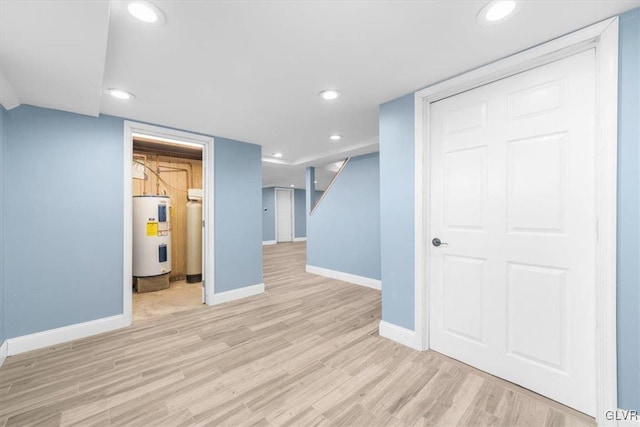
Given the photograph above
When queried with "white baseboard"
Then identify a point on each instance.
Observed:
(345, 277)
(268, 242)
(4, 351)
(627, 418)
(235, 294)
(43, 339)
(299, 239)
(400, 335)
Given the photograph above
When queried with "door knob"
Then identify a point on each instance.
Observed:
(437, 242)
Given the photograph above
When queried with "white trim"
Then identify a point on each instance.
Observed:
(602, 36)
(268, 242)
(326, 190)
(4, 352)
(207, 144)
(234, 294)
(606, 211)
(64, 334)
(292, 200)
(633, 421)
(345, 277)
(299, 239)
(127, 239)
(399, 334)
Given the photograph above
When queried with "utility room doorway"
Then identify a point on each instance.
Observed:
(167, 227)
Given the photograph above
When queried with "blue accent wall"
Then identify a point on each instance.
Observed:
(300, 206)
(238, 203)
(343, 234)
(397, 210)
(62, 217)
(63, 193)
(3, 114)
(629, 212)
(268, 215)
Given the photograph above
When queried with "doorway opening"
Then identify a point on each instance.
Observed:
(167, 246)
(169, 205)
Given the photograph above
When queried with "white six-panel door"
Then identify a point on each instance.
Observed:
(284, 213)
(512, 291)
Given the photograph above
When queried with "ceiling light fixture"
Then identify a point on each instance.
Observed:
(278, 155)
(146, 12)
(497, 11)
(335, 137)
(120, 94)
(292, 185)
(330, 94)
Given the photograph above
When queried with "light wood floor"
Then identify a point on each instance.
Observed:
(180, 296)
(307, 352)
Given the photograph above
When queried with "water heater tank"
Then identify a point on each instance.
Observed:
(151, 236)
(194, 241)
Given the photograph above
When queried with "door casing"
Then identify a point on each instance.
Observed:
(208, 264)
(602, 36)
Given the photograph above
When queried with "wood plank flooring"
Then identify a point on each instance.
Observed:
(305, 353)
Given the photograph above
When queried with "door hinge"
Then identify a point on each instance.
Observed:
(203, 223)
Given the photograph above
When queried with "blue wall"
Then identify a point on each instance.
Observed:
(396, 168)
(238, 202)
(63, 222)
(397, 210)
(3, 128)
(343, 234)
(268, 215)
(629, 213)
(63, 191)
(300, 211)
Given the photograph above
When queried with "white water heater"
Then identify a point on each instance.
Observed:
(151, 236)
(194, 236)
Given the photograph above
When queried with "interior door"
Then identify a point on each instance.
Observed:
(284, 214)
(512, 285)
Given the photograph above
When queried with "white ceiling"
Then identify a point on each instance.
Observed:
(52, 54)
(252, 70)
(282, 175)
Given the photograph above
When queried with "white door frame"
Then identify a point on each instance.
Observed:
(292, 196)
(602, 36)
(206, 142)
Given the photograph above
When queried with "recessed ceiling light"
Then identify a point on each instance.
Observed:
(146, 12)
(497, 11)
(120, 94)
(315, 182)
(330, 94)
(292, 185)
(335, 137)
(278, 155)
